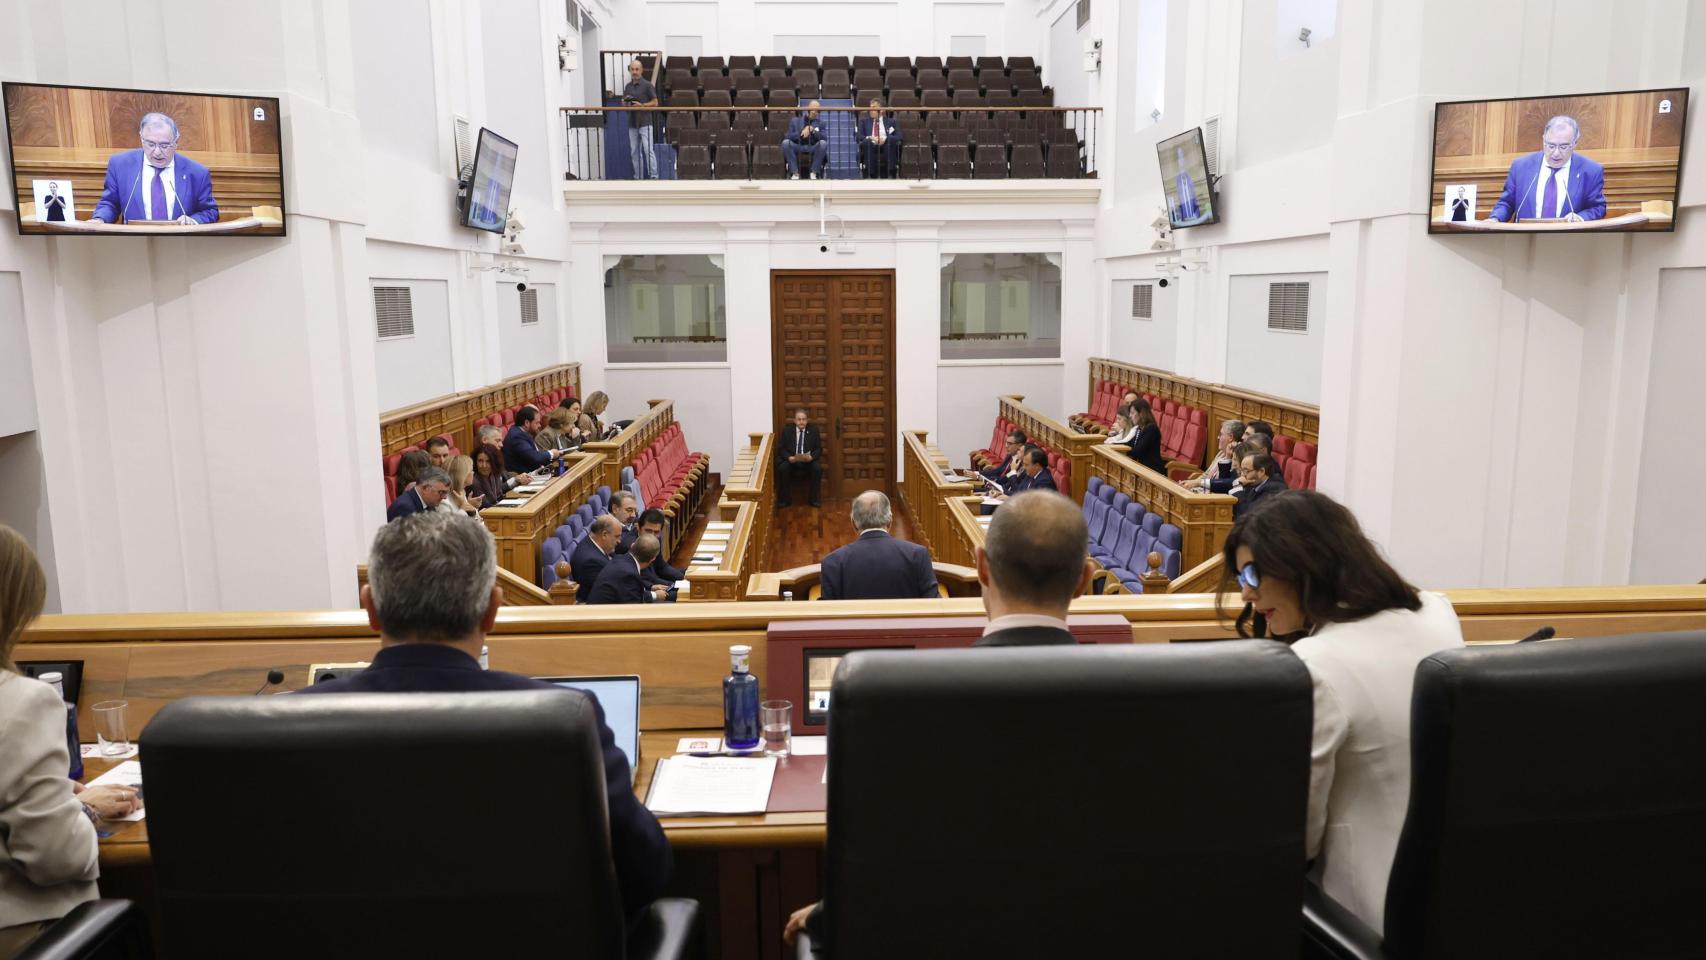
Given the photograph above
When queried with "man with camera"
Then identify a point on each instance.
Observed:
(640, 93)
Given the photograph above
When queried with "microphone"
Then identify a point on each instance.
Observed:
(1544, 633)
(124, 211)
(274, 677)
(1517, 213)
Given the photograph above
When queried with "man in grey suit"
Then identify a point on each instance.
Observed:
(876, 566)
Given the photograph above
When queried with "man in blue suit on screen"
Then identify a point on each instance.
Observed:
(154, 182)
(1555, 184)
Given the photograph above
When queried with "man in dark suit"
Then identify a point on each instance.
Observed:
(800, 450)
(430, 487)
(876, 566)
(660, 573)
(806, 139)
(1033, 562)
(1014, 464)
(521, 454)
(432, 595)
(879, 143)
(593, 554)
(1036, 475)
(623, 579)
(625, 507)
(1261, 482)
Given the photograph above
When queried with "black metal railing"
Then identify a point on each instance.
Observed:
(964, 142)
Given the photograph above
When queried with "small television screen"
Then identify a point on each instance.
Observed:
(100, 161)
(1561, 164)
(1185, 179)
(490, 184)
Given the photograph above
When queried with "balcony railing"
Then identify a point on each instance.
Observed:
(748, 143)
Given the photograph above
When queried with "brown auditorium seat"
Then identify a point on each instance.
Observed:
(716, 122)
(683, 98)
(927, 63)
(797, 65)
(711, 65)
(1000, 98)
(772, 62)
(677, 120)
(680, 80)
(1063, 161)
(898, 63)
(1028, 161)
(750, 124)
(983, 130)
(901, 98)
(1063, 134)
(959, 80)
(1026, 80)
(867, 63)
(991, 161)
(937, 98)
(1021, 63)
(1034, 98)
(715, 81)
(775, 77)
(953, 162)
(717, 99)
(693, 163)
(915, 161)
(869, 83)
(989, 65)
(648, 65)
(951, 136)
(838, 63)
(959, 63)
(929, 80)
(731, 161)
(678, 63)
(836, 84)
(692, 137)
(1025, 136)
(767, 162)
(743, 63)
(969, 101)
(808, 88)
(748, 81)
(784, 98)
(898, 80)
(748, 99)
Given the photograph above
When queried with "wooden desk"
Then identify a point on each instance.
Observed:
(739, 556)
(521, 530)
(1204, 519)
(924, 491)
(1045, 431)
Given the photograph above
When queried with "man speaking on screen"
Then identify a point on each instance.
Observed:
(1555, 184)
(155, 182)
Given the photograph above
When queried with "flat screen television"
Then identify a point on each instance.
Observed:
(103, 161)
(1559, 164)
(490, 183)
(1185, 180)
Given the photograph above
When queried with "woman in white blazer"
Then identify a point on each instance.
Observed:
(47, 831)
(1309, 576)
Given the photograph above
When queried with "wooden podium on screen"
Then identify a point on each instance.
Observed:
(1656, 212)
(260, 218)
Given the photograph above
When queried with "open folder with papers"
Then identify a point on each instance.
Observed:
(688, 785)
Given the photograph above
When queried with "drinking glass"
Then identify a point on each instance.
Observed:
(776, 718)
(110, 727)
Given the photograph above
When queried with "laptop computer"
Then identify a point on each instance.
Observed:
(620, 698)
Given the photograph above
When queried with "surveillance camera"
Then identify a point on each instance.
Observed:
(521, 287)
(823, 249)
(1162, 282)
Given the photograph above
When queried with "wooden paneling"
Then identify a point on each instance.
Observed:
(752, 479)
(832, 340)
(1301, 421)
(69, 133)
(682, 649)
(1641, 148)
(620, 450)
(520, 531)
(1056, 436)
(740, 557)
(455, 414)
(924, 492)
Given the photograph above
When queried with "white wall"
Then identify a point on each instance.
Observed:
(966, 391)
(17, 385)
(23, 502)
(1670, 539)
(701, 393)
(1281, 362)
(526, 348)
(1152, 342)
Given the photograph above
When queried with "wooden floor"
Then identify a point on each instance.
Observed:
(805, 534)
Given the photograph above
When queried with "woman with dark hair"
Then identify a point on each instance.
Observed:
(489, 480)
(1146, 442)
(48, 856)
(409, 468)
(1309, 576)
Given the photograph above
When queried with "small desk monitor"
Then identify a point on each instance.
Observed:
(620, 698)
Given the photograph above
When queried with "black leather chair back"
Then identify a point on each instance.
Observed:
(1068, 801)
(394, 824)
(1557, 802)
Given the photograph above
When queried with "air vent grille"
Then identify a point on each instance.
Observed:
(394, 312)
(1083, 13)
(1288, 306)
(1143, 301)
(529, 306)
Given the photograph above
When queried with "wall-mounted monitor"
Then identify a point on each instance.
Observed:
(490, 184)
(1562, 164)
(100, 161)
(1185, 180)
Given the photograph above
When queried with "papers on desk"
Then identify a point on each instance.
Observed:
(720, 525)
(129, 774)
(991, 502)
(711, 785)
(528, 488)
(817, 746)
(714, 535)
(509, 502)
(693, 571)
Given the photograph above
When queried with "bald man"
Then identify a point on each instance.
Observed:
(876, 566)
(805, 137)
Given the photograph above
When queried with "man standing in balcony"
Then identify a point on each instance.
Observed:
(640, 93)
(806, 138)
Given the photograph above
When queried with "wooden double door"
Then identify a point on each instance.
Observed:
(832, 352)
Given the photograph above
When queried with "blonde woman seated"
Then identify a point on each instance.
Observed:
(462, 498)
(561, 432)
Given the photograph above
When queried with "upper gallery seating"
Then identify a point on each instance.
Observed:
(970, 136)
(1058, 463)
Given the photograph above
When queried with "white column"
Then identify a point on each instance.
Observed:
(746, 289)
(917, 328)
(1082, 318)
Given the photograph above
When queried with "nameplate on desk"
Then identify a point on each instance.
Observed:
(510, 502)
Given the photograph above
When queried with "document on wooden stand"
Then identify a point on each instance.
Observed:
(684, 786)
